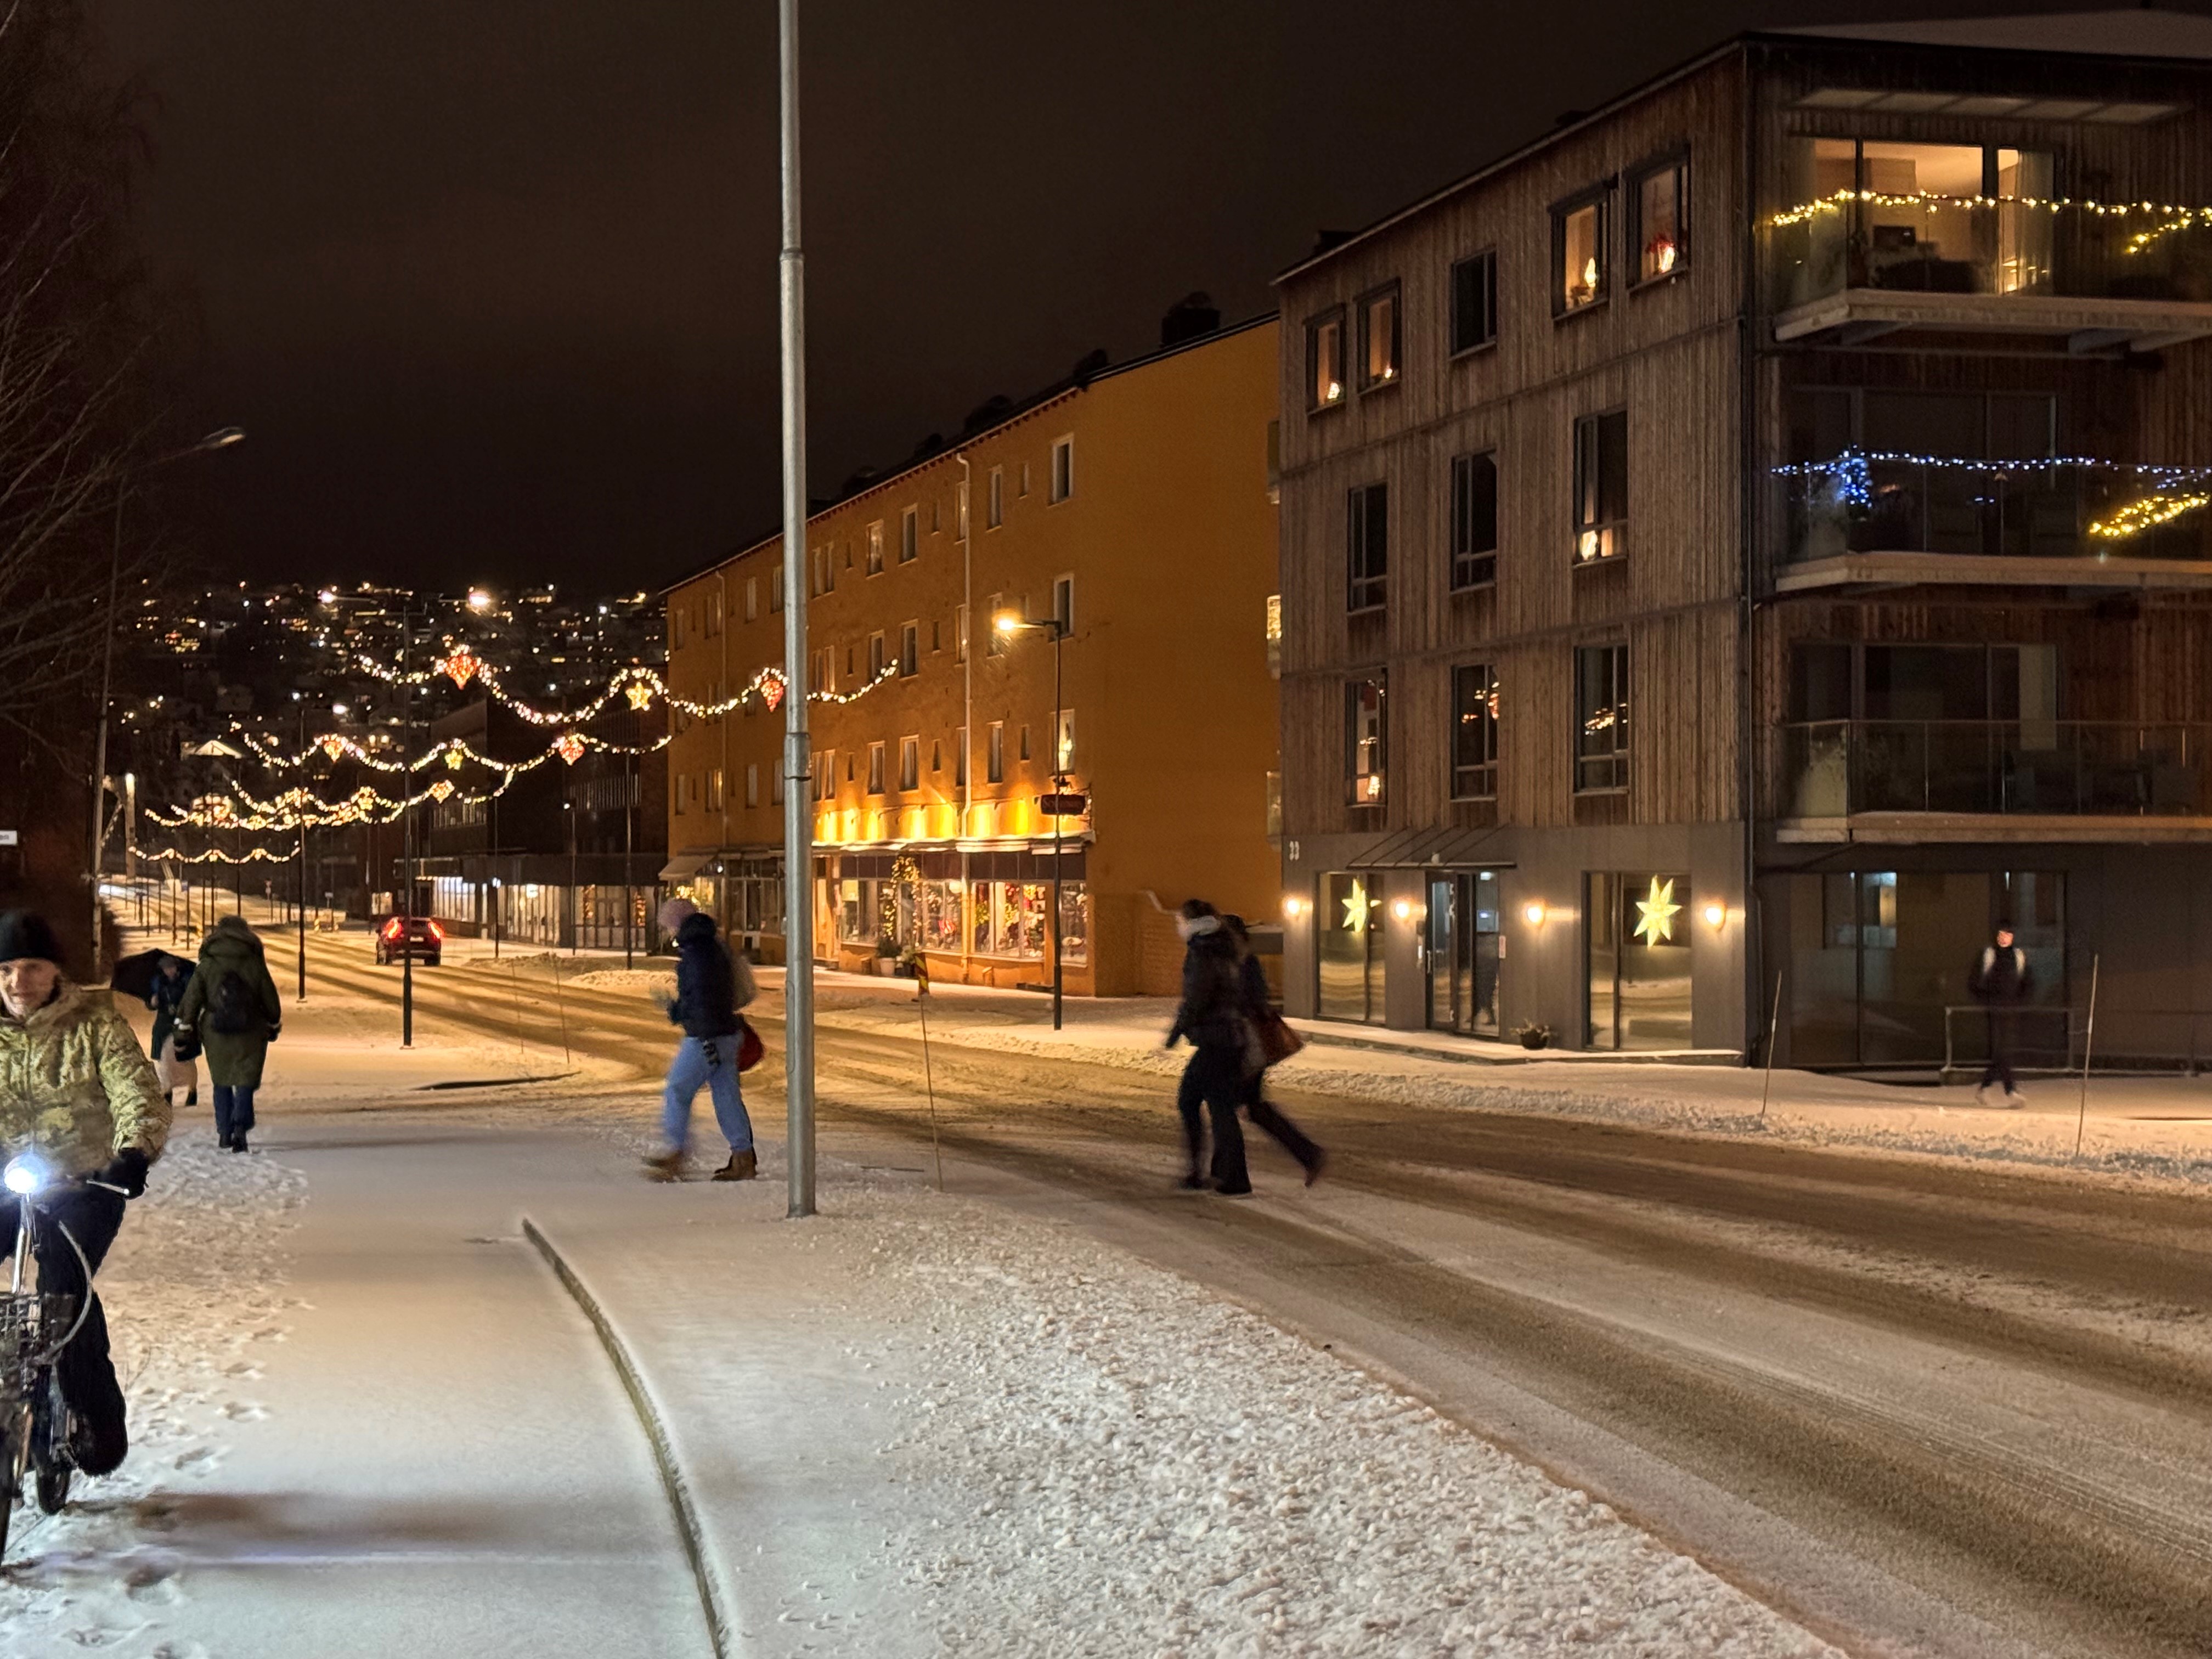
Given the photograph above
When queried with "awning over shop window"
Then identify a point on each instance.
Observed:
(685, 866)
(1446, 848)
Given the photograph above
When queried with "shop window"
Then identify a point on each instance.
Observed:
(1600, 719)
(1638, 932)
(1348, 926)
(1367, 546)
(1074, 924)
(1366, 731)
(1378, 338)
(1601, 486)
(1474, 302)
(1578, 253)
(1474, 732)
(1474, 520)
(1325, 362)
(1659, 204)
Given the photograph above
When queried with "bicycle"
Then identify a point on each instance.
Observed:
(34, 1420)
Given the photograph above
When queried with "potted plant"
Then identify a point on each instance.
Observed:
(1532, 1034)
(887, 954)
(908, 960)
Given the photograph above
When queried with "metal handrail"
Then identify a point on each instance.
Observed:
(2076, 1025)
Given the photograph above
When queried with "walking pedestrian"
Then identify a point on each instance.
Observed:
(711, 986)
(2002, 980)
(1260, 1010)
(81, 1095)
(1211, 1015)
(163, 996)
(231, 1013)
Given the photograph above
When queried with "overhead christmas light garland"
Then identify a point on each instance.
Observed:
(2174, 491)
(2172, 218)
(251, 855)
(2147, 515)
(454, 752)
(639, 685)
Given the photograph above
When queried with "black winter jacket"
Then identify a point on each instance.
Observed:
(1213, 1012)
(706, 1003)
(2002, 977)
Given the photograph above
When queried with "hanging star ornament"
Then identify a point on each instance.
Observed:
(1355, 904)
(453, 758)
(639, 694)
(1654, 918)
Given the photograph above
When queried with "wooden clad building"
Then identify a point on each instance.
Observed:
(1756, 535)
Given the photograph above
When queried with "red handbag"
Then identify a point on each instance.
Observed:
(751, 1049)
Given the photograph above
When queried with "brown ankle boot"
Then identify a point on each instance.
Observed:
(741, 1166)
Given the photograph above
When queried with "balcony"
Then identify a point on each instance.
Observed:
(1889, 520)
(1854, 269)
(1983, 781)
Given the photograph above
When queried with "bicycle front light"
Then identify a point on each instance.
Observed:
(24, 1175)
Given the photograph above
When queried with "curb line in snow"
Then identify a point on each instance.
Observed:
(688, 1524)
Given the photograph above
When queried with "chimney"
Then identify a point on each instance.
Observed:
(1190, 318)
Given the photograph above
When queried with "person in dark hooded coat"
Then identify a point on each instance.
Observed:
(711, 986)
(1211, 1015)
(1259, 1007)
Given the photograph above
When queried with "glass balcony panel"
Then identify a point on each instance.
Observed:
(2037, 767)
(2041, 513)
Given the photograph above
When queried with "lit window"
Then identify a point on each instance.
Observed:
(1660, 198)
(1063, 469)
(1365, 734)
(1579, 254)
(1378, 338)
(1275, 634)
(1600, 718)
(1474, 520)
(1063, 740)
(876, 547)
(1601, 486)
(1325, 362)
(1367, 546)
(1474, 732)
(1474, 302)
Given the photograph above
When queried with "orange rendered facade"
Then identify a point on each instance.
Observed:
(1134, 508)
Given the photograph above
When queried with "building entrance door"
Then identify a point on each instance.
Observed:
(1463, 952)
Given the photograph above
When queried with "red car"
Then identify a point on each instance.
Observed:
(409, 936)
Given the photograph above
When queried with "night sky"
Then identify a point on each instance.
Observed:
(491, 285)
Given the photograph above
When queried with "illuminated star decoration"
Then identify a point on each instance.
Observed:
(1655, 915)
(639, 694)
(570, 748)
(453, 759)
(1356, 906)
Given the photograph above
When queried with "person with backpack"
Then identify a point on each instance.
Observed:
(2003, 980)
(711, 986)
(1212, 1016)
(231, 1012)
(1277, 1041)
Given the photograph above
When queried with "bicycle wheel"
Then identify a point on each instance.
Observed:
(50, 1454)
(11, 1473)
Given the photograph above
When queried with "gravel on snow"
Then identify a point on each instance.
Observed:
(194, 1294)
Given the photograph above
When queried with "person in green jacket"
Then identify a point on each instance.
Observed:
(231, 1013)
(76, 1093)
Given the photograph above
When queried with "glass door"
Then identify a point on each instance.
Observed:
(1463, 953)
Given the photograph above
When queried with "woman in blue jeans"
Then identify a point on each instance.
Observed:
(711, 986)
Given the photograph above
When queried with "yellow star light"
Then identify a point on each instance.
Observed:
(639, 694)
(1356, 905)
(1655, 915)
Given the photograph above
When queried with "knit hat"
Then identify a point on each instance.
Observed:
(674, 913)
(26, 933)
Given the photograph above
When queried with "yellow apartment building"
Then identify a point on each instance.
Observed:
(1134, 506)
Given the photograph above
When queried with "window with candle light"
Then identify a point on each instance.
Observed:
(1366, 736)
(1378, 338)
(1325, 360)
(1601, 486)
(1659, 200)
(1579, 254)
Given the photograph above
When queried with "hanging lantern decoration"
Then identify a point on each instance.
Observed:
(334, 746)
(441, 789)
(461, 665)
(570, 748)
(640, 693)
(771, 687)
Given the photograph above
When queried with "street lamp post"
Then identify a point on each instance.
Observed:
(1057, 626)
(406, 830)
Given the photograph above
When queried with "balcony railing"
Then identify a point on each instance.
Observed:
(1997, 249)
(2056, 769)
(2057, 510)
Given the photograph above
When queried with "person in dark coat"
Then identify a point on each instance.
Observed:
(231, 1012)
(711, 986)
(2003, 980)
(1211, 1015)
(1260, 1008)
(164, 996)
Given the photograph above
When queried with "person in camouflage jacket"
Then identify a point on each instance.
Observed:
(78, 1093)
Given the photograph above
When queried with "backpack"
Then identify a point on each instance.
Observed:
(230, 1009)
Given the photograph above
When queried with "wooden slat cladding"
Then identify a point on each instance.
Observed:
(1667, 353)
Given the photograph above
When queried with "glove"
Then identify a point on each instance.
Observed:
(126, 1170)
(187, 1044)
(273, 1030)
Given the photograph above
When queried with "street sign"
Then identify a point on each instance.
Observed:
(1063, 806)
(7, 838)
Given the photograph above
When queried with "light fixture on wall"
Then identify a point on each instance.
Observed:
(1294, 906)
(1403, 909)
(1533, 912)
(1714, 914)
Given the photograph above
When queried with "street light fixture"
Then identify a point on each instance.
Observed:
(1060, 803)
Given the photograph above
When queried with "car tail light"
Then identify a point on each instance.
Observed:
(437, 933)
(391, 928)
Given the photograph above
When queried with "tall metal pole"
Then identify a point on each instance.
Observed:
(630, 851)
(798, 760)
(1059, 787)
(407, 832)
(99, 746)
(302, 894)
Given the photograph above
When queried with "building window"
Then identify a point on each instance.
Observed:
(1367, 546)
(752, 783)
(936, 756)
(875, 768)
(682, 792)
(676, 627)
(910, 763)
(1474, 302)
(960, 634)
(876, 658)
(825, 570)
(960, 759)
(1274, 630)
(1063, 469)
(1025, 743)
(825, 775)
(1600, 718)
(1063, 740)
(1378, 338)
(994, 499)
(1474, 732)
(994, 752)
(1063, 602)
(1325, 362)
(909, 535)
(775, 589)
(1659, 227)
(876, 547)
(775, 784)
(822, 670)
(910, 648)
(1601, 486)
(1474, 520)
(995, 642)
(1639, 959)
(715, 790)
(1578, 253)
(1366, 734)
(1349, 928)
(714, 614)
(1025, 489)
(753, 598)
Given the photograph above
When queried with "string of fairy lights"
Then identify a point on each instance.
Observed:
(2169, 492)
(2168, 218)
(297, 809)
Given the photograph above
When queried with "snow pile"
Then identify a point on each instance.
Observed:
(1104, 1452)
(193, 1290)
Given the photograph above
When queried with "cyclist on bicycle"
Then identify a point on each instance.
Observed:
(75, 1087)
